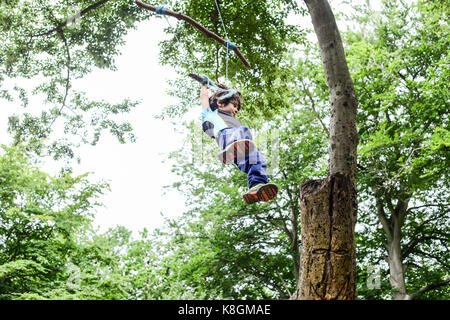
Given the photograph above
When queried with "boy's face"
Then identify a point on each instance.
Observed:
(230, 108)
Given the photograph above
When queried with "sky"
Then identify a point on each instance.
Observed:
(137, 172)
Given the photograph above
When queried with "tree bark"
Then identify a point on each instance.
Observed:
(394, 249)
(328, 251)
(329, 206)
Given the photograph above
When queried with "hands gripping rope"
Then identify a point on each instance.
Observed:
(220, 87)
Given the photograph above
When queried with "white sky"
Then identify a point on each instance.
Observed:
(136, 171)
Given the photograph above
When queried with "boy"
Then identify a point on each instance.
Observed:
(219, 122)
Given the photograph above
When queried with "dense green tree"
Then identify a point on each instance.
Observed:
(40, 216)
(404, 146)
(51, 43)
(222, 247)
(260, 30)
(401, 71)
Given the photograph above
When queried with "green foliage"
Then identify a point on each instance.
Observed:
(221, 248)
(52, 43)
(39, 214)
(401, 71)
(402, 83)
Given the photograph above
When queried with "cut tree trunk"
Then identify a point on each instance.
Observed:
(329, 206)
(328, 251)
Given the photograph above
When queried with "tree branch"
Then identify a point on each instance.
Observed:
(429, 288)
(72, 18)
(313, 107)
(447, 205)
(196, 25)
(63, 37)
(382, 216)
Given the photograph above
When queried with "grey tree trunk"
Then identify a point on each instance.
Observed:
(329, 206)
(392, 228)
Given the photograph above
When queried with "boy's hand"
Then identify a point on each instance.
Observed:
(204, 89)
(204, 96)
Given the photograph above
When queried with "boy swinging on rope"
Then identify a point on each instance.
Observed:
(219, 121)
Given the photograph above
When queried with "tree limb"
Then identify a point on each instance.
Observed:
(67, 77)
(447, 205)
(72, 18)
(313, 107)
(429, 288)
(196, 25)
(382, 216)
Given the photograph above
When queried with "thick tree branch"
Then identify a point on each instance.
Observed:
(430, 287)
(382, 216)
(196, 25)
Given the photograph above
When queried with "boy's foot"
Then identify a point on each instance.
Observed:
(261, 192)
(238, 149)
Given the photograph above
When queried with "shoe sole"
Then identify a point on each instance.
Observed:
(238, 149)
(250, 198)
(267, 192)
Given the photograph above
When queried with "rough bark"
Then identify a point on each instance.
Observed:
(328, 251)
(329, 206)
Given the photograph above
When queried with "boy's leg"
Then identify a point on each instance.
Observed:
(252, 163)
(259, 189)
(236, 144)
(255, 166)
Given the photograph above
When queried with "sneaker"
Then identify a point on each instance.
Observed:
(238, 149)
(261, 192)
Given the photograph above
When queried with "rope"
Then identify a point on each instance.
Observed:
(162, 11)
(230, 92)
(220, 16)
(228, 44)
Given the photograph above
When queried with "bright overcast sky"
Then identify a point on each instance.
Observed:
(136, 170)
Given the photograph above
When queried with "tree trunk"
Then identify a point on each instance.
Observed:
(329, 206)
(395, 256)
(396, 267)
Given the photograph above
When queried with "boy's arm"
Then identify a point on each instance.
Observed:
(204, 96)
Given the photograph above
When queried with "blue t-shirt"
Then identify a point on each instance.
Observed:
(214, 121)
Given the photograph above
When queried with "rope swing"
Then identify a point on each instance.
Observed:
(228, 44)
